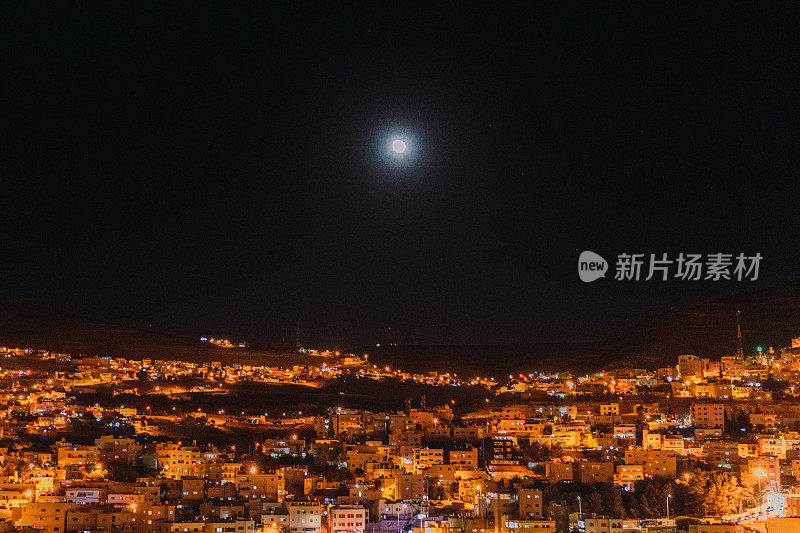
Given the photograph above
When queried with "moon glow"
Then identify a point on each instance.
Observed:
(399, 146)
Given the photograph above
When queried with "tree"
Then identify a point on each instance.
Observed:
(436, 491)
(695, 494)
(644, 507)
(632, 506)
(719, 492)
(596, 504)
(536, 452)
(617, 510)
(725, 494)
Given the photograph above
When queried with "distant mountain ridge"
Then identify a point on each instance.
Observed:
(769, 318)
(30, 327)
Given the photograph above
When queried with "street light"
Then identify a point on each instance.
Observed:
(760, 474)
(668, 497)
(580, 508)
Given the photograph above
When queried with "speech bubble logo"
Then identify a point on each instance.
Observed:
(591, 266)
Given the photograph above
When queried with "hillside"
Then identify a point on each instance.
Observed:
(490, 360)
(65, 333)
(769, 318)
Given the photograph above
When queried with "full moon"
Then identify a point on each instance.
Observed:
(399, 146)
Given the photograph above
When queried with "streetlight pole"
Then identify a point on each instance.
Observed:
(668, 497)
(580, 508)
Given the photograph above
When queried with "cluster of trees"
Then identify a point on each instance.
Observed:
(716, 493)
(535, 452)
(704, 494)
(647, 499)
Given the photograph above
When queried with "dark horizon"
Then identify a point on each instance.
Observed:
(769, 320)
(211, 171)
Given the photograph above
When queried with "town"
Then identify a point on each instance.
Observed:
(110, 444)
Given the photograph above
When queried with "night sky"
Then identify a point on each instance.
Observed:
(213, 170)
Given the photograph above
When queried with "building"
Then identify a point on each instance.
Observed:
(229, 526)
(468, 459)
(270, 487)
(275, 521)
(775, 447)
(530, 503)
(603, 525)
(470, 433)
(708, 415)
(791, 506)
(595, 471)
(556, 471)
(652, 441)
(704, 434)
(783, 525)
(347, 519)
(86, 495)
(176, 461)
(530, 526)
(345, 421)
(625, 432)
(74, 455)
(717, 528)
(654, 462)
(609, 409)
(305, 517)
(763, 471)
(500, 451)
(126, 501)
(47, 517)
(410, 487)
(192, 488)
(627, 475)
(427, 457)
(690, 366)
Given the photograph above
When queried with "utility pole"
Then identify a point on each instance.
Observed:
(760, 474)
(739, 349)
(668, 497)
